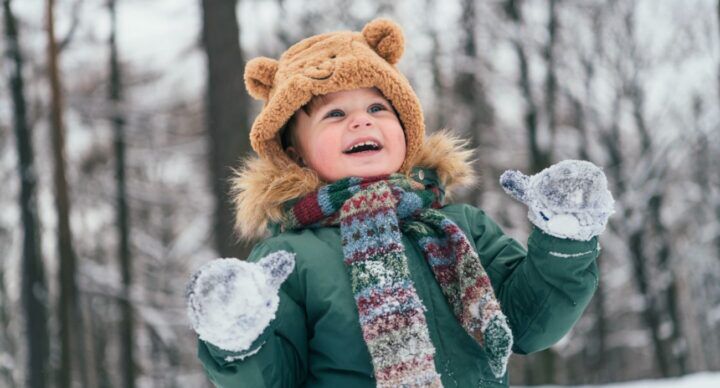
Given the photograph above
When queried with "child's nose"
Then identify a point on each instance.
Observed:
(361, 121)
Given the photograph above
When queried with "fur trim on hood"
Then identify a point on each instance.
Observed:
(260, 187)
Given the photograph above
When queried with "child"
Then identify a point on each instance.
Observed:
(369, 279)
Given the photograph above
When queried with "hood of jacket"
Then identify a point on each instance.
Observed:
(260, 187)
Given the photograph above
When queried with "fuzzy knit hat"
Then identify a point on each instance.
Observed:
(328, 63)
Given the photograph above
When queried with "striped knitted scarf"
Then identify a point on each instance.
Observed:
(372, 214)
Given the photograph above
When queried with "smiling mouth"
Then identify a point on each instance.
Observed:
(363, 149)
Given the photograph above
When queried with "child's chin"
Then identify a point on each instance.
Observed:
(371, 172)
(367, 171)
(348, 174)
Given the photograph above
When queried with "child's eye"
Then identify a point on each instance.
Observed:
(376, 108)
(335, 113)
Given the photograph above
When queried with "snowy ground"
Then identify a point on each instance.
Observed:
(698, 380)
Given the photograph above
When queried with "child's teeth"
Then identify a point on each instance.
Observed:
(362, 144)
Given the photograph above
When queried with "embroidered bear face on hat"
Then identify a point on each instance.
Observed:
(329, 63)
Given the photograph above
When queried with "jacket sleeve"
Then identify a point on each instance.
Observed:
(542, 290)
(277, 358)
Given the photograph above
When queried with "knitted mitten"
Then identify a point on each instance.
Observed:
(569, 199)
(230, 302)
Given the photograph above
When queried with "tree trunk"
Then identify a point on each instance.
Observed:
(636, 241)
(539, 159)
(226, 114)
(7, 343)
(718, 73)
(69, 319)
(649, 314)
(611, 140)
(170, 350)
(439, 89)
(677, 347)
(99, 331)
(472, 94)
(34, 289)
(716, 240)
(596, 347)
(705, 338)
(92, 366)
(551, 84)
(127, 366)
(674, 362)
(436, 118)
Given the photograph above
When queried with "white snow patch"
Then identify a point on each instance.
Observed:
(697, 380)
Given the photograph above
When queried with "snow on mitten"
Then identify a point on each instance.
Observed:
(230, 302)
(569, 199)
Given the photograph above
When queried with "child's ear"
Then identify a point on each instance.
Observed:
(260, 76)
(295, 155)
(386, 38)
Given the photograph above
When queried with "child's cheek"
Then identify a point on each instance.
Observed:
(400, 146)
(328, 145)
(325, 153)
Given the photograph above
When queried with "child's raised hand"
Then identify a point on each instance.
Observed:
(569, 199)
(230, 302)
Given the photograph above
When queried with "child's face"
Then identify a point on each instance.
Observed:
(326, 137)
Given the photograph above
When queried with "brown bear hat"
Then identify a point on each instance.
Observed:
(315, 66)
(328, 63)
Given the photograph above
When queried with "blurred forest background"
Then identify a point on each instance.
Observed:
(120, 120)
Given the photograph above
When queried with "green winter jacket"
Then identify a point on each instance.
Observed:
(316, 341)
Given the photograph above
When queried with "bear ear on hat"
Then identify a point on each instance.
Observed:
(386, 38)
(259, 77)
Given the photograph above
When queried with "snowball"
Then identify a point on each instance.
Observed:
(564, 224)
(230, 302)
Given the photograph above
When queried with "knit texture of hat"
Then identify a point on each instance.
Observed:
(327, 63)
